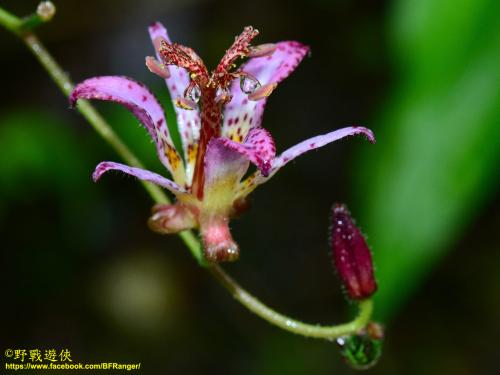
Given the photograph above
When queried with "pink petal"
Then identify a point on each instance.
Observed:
(142, 103)
(141, 174)
(222, 166)
(258, 148)
(188, 120)
(243, 114)
(317, 142)
(257, 178)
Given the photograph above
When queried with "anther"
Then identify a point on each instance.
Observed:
(157, 67)
(185, 103)
(158, 41)
(263, 92)
(262, 50)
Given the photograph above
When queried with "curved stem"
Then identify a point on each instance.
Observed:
(288, 324)
(15, 25)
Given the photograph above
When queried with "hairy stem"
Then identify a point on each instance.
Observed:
(89, 112)
(16, 26)
(289, 324)
(104, 130)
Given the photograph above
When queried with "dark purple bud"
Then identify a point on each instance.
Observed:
(351, 255)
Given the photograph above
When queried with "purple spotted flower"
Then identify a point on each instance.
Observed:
(219, 117)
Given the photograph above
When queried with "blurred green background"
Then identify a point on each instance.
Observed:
(81, 270)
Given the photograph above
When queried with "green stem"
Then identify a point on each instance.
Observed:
(15, 25)
(89, 112)
(289, 324)
(104, 130)
(10, 22)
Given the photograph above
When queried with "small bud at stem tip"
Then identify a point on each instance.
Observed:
(351, 255)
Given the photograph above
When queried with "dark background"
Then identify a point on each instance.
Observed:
(81, 270)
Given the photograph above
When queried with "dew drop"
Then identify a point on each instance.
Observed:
(193, 93)
(361, 351)
(249, 84)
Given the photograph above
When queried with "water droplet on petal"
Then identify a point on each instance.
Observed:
(223, 96)
(193, 93)
(249, 84)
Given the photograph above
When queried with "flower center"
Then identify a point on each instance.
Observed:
(210, 91)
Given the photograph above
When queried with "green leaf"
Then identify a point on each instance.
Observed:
(436, 160)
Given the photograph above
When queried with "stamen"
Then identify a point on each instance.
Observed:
(262, 50)
(248, 83)
(157, 67)
(185, 103)
(190, 52)
(183, 57)
(240, 48)
(212, 99)
(157, 42)
(263, 92)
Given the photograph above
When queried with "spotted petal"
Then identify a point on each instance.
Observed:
(258, 148)
(188, 121)
(141, 174)
(145, 107)
(242, 114)
(224, 168)
(256, 179)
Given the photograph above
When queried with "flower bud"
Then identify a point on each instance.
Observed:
(351, 255)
